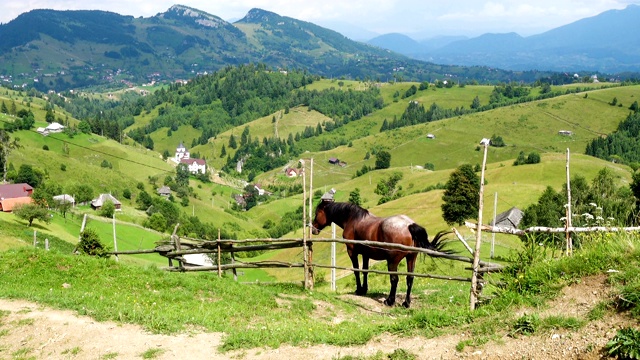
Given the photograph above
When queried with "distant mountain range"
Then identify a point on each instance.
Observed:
(69, 49)
(608, 43)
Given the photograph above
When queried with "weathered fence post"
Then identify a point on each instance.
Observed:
(476, 254)
(310, 244)
(305, 252)
(493, 223)
(46, 244)
(115, 241)
(333, 257)
(219, 257)
(35, 238)
(176, 242)
(568, 212)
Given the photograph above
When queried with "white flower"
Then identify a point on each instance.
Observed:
(593, 204)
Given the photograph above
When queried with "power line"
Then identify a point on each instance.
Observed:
(99, 152)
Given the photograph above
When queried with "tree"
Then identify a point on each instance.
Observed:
(383, 160)
(6, 146)
(27, 174)
(49, 117)
(223, 152)
(388, 188)
(476, 103)
(156, 222)
(232, 142)
(32, 212)
(5, 110)
(107, 209)
(461, 195)
(81, 192)
(354, 197)
(182, 175)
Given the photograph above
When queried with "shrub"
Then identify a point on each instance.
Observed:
(90, 244)
(107, 209)
(45, 147)
(625, 345)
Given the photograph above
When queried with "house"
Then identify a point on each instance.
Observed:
(328, 196)
(261, 191)
(334, 161)
(195, 166)
(97, 203)
(54, 127)
(565, 132)
(64, 199)
(7, 205)
(181, 153)
(9, 191)
(509, 219)
(164, 191)
(42, 131)
(292, 172)
(12, 195)
(431, 136)
(240, 200)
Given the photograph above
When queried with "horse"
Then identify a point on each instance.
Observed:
(359, 224)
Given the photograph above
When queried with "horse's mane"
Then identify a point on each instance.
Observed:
(345, 210)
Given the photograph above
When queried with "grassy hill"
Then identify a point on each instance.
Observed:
(524, 127)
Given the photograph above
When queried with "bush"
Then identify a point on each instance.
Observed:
(625, 345)
(107, 209)
(90, 244)
(45, 147)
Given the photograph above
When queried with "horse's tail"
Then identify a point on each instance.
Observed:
(421, 239)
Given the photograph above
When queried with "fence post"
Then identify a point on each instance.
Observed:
(493, 222)
(46, 244)
(219, 257)
(310, 244)
(35, 238)
(176, 242)
(333, 257)
(305, 254)
(115, 241)
(568, 212)
(476, 254)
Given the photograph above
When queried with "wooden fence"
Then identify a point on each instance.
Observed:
(178, 247)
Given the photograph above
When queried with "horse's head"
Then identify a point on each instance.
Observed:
(320, 220)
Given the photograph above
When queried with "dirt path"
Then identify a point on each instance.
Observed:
(28, 330)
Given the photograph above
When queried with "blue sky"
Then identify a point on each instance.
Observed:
(424, 17)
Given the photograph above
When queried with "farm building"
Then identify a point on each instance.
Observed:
(97, 203)
(64, 199)
(164, 191)
(509, 219)
(195, 166)
(12, 195)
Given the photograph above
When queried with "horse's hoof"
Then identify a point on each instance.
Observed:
(389, 302)
(406, 304)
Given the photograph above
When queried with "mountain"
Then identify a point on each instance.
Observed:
(399, 43)
(60, 50)
(605, 43)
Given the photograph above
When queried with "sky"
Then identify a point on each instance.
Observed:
(418, 18)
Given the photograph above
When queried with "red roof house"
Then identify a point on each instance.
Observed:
(14, 194)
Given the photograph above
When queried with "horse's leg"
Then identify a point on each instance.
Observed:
(354, 262)
(365, 275)
(392, 265)
(411, 263)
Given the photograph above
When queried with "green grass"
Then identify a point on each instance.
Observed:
(164, 302)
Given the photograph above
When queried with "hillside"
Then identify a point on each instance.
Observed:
(76, 49)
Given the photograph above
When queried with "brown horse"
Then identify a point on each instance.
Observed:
(358, 224)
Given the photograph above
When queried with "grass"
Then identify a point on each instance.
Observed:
(165, 302)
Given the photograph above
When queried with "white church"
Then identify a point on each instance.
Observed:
(182, 156)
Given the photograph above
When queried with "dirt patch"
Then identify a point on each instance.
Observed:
(43, 333)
